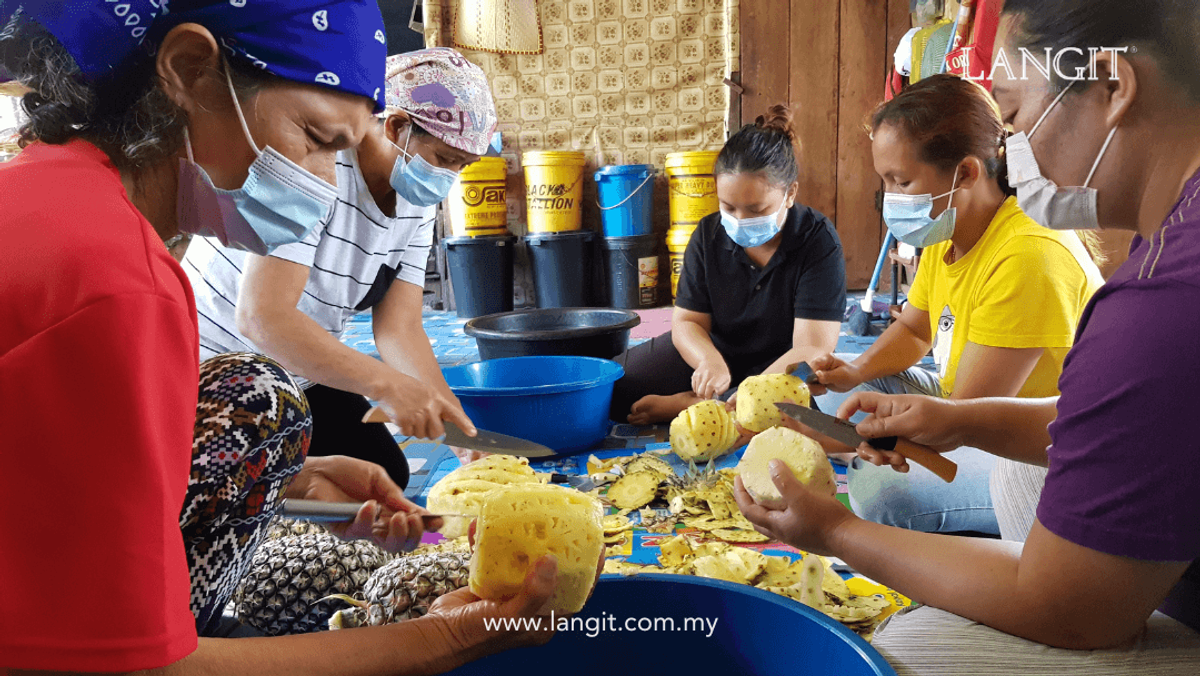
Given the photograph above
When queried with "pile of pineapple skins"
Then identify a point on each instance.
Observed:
(702, 500)
(306, 579)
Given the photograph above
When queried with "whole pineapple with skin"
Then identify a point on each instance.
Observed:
(281, 527)
(404, 589)
(290, 576)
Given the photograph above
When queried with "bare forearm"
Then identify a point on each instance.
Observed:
(1009, 427)
(409, 352)
(794, 355)
(976, 578)
(393, 650)
(694, 343)
(304, 348)
(898, 349)
(416, 647)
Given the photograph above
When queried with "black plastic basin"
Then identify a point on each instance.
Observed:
(582, 332)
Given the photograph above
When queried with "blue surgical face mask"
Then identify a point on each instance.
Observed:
(752, 232)
(908, 217)
(280, 202)
(417, 181)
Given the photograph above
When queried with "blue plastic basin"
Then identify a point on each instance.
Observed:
(560, 402)
(756, 632)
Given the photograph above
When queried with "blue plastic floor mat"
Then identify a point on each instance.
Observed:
(452, 346)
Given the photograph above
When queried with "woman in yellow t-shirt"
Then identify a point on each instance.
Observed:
(997, 299)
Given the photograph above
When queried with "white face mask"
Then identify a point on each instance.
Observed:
(1070, 208)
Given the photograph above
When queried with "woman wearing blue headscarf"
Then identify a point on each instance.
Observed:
(219, 118)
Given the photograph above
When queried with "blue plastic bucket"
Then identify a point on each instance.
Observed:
(560, 402)
(755, 632)
(625, 193)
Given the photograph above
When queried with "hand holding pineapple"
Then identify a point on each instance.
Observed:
(461, 616)
(388, 518)
(806, 518)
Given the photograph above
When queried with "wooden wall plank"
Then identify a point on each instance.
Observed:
(863, 57)
(765, 33)
(814, 98)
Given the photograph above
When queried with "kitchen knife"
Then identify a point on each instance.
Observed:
(581, 483)
(488, 442)
(802, 371)
(845, 432)
(333, 512)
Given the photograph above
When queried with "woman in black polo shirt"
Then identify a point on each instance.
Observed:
(763, 284)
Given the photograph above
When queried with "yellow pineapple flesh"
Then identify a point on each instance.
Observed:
(757, 396)
(520, 524)
(703, 431)
(804, 456)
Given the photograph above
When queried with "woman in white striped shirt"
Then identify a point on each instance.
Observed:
(294, 304)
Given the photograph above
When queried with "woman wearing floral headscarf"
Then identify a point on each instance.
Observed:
(219, 118)
(370, 256)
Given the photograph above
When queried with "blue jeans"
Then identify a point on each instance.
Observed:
(919, 500)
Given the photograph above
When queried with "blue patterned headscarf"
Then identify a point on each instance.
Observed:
(340, 44)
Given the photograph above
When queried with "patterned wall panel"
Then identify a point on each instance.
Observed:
(625, 81)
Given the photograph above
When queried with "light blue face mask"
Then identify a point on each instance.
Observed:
(280, 202)
(907, 217)
(752, 232)
(418, 182)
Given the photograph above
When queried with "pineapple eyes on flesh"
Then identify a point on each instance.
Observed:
(703, 431)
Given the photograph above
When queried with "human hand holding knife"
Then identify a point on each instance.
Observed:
(845, 432)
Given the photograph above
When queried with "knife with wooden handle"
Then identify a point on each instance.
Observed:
(845, 432)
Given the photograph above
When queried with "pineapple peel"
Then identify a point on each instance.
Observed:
(757, 396)
(804, 456)
(520, 524)
(703, 431)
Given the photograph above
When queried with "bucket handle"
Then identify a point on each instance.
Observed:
(677, 191)
(629, 196)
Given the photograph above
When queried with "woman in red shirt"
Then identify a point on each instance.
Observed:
(220, 118)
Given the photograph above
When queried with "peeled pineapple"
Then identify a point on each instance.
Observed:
(462, 491)
(520, 524)
(803, 455)
(703, 431)
(757, 396)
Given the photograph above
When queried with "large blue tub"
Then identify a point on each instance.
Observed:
(560, 402)
(756, 632)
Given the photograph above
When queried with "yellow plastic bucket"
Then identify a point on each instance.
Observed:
(478, 206)
(693, 186)
(553, 190)
(677, 241)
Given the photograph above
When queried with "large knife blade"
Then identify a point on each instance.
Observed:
(488, 442)
(845, 432)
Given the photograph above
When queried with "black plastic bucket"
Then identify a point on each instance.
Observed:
(481, 272)
(562, 266)
(582, 332)
(630, 270)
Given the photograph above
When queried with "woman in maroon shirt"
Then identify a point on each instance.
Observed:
(1118, 525)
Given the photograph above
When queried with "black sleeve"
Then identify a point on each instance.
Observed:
(692, 293)
(821, 287)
